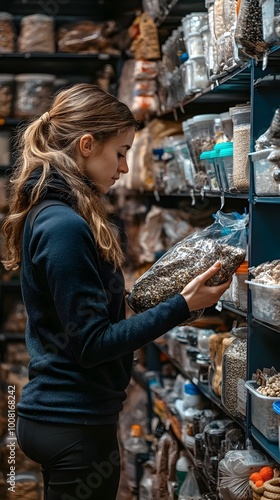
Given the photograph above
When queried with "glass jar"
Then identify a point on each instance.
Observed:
(234, 373)
(6, 95)
(241, 145)
(7, 33)
(33, 94)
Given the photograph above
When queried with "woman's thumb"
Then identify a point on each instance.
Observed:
(211, 271)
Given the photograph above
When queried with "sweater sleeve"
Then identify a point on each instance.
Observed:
(63, 250)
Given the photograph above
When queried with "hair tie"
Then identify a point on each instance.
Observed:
(45, 117)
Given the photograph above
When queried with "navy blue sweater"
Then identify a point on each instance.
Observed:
(80, 345)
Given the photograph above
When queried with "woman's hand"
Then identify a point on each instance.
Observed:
(198, 295)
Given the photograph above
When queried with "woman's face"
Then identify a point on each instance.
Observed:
(104, 164)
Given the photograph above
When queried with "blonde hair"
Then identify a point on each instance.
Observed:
(50, 141)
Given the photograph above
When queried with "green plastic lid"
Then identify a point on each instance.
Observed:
(205, 155)
(226, 152)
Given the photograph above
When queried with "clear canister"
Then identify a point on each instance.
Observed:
(7, 33)
(5, 137)
(200, 74)
(194, 44)
(271, 21)
(226, 167)
(234, 373)
(36, 34)
(227, 125)
(241, 115)
(240, 287)
(32, 95)
(6, 94)
(202, 135)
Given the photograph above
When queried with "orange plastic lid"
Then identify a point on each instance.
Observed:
(243, 268)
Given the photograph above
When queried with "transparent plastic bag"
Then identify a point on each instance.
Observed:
(225, 240)
(190, 489)
(234, 472)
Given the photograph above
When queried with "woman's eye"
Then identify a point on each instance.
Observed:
(120, 156)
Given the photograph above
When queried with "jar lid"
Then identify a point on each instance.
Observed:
(202, 118)
(23, 77)
(205, 155)
(243, 268)
(191, 389)
(240, 108)
(6, 77)
(6, 16)
(37, 17)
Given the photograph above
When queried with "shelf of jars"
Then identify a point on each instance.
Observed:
(203, 386)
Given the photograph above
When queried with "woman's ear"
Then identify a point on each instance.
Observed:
(86, 144)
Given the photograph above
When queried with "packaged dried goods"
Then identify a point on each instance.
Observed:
(225, 240)
(6, 95)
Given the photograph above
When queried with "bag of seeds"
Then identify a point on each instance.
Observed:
(225, 240)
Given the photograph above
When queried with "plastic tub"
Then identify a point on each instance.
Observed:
(6, 94)
(266, 174)
(265, 302)
(271, 21)
(226, 167)
(207, 161)
(276, 408)
(262, 415)
(33, 94)
(202, 134)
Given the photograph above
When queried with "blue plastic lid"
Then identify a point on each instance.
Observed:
(276, 407)
(226, 152)
(190, 388)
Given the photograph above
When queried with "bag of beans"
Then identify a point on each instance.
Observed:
(225, 240)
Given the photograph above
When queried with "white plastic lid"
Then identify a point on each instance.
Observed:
(37, 17)
(205, 118)
(5, 77)
(24, 77)
(242, 108)
(6, 16)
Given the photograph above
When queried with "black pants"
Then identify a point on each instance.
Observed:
(79, 462)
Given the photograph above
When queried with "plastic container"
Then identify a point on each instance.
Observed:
(182, 466)
(262, 415)
(227, 125)
(207, 161)
(266, 174)
(192, 396)
(226, 168)
(7, 33)
(6, 94)
(36, 34)
(200, 74)
(276, 409)
(201, 129)
(240, 287)
(194, 44)
(134, 445)
(241, 140)
(33, 94)
(5, 137)
(271, 21)
(265, 302)
(234, 370)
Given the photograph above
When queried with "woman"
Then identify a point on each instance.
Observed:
(80, 344)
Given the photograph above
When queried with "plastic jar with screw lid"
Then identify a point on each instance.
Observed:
(241, 145)
(192, 396)
(33, 93)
